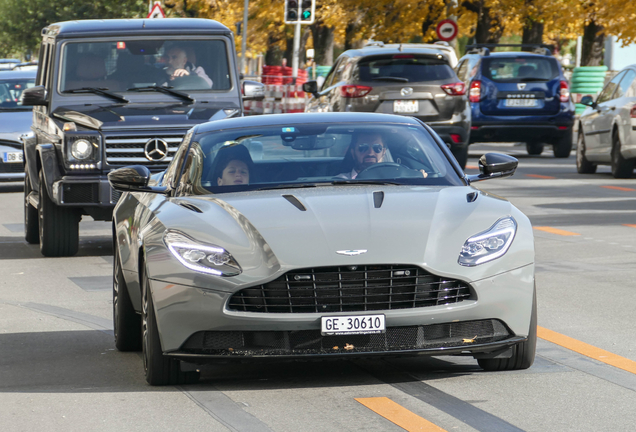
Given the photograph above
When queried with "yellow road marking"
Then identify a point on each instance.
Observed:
(540, 176)
(399, 415)
(472, 167)
(630, 225)
(587, 350)
(556, 231)
(619, 188)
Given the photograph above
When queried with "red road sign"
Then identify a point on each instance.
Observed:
(446, 30)
(156, 11)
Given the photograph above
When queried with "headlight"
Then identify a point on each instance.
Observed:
(201, 257)
(490, 244)
(81, 149)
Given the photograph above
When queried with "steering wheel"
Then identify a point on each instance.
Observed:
(387, 170)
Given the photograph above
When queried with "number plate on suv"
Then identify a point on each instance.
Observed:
(355, 324)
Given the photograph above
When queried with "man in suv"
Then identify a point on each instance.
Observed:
(405, 79)
(518, 96)
(106, 96)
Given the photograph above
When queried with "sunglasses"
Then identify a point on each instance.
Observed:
(377, 148)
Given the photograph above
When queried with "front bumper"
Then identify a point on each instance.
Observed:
(84, 191)
(187, 317)
(549, 133)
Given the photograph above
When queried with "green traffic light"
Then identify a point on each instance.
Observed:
(306, 14)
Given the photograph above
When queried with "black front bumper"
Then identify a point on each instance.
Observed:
(549, 133)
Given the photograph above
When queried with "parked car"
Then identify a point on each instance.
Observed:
(8, 63)
(15, 121)
(32, 65)
(518, 96)
(409, 79)
(607, 129)
(407, 258)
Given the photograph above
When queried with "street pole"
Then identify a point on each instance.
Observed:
(244, 37)
(296, 52)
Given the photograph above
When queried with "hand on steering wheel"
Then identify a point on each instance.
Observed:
(389, 170)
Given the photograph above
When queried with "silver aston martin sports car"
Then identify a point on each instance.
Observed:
(324, 235)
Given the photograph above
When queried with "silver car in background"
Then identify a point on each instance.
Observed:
(607, 128)
(257, 243)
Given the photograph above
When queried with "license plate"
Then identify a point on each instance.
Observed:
(521, 103)
(405, 106)
(12, 157)
(354, 324)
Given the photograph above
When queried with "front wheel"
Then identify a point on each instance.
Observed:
(127, 323)
(621, 167)
(583, 166)
(31, 228)
(534, 148)
(58, 226)
(563, 146)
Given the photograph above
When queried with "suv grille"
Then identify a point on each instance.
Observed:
(129, 149)
(350, 289)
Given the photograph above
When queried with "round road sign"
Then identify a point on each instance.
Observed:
(446, 30)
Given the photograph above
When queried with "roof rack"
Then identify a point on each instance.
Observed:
(371, 42)
(535, 48)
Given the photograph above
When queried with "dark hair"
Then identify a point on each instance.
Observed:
(229, 153)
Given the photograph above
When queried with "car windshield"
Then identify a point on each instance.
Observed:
(312, 155)
(517, 69)
(410, 67)
(123, 64)
(11, 91)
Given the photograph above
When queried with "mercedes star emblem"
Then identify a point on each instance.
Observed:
(406, 91)
(351, 252)
(156, 149)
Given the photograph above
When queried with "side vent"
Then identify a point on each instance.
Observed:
(190, 206)
(472, 197)
(295, 202)
(378, 199)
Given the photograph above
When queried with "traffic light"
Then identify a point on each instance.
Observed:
(308, 10)
(291, 11)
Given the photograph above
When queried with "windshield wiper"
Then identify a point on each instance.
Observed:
(103, 91)
(527, 79)
(365, 182)
(390, 78)
(166, 90)
(289, 186)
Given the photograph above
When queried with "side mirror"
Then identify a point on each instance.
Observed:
(134, 178)
(34, 96)
(587, 100)
(494, 165)
(253, 90)
(311, 87)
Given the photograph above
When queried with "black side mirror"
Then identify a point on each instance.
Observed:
(311, 87)
(494, 165)
(253, 90)
(34, 96)
(587, 100)
(134, 178)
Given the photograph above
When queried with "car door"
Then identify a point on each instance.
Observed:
(607, 115)
(619, 112)
(593, 123)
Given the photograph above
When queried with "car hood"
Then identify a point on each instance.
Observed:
(14, 123)
(140, 115)
(328, 226)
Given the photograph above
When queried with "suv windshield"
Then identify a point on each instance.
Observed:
(515, 69)
(311, 155)
(11, 91)
(411, 67)
(123, 64)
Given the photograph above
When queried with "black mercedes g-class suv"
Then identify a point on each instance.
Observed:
(111, 93)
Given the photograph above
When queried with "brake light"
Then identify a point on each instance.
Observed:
(564, 91)
(474, 94)
(403, 56)
(454, 89)
(632, 113)
(457, 138)
(354, 91)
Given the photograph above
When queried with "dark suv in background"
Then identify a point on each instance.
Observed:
(405, 79)
(518, 96)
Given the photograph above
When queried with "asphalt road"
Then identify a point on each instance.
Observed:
(59, 370)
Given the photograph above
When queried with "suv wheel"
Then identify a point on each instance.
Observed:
(563, 147)
(461, 154)
(31, 229)
(58, 226)
(621, 167)
(534, 148)
(583, 166)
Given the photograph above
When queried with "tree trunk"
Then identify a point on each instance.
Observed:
(323, 43)
(592, 49)
(302, 52)
(489, 26)
(351, 37)
(532, 32)
(273, 55)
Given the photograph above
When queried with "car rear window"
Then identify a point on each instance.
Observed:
(515, 69)
(411, 67)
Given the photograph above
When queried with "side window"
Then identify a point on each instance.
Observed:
(340, 70)
(190, 181)
(608, 91)
(329, 78)
(625, 84)
(44, 60)
(461, 70)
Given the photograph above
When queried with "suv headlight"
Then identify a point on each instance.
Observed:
(201, 257)
(490, 244)
(82, 151)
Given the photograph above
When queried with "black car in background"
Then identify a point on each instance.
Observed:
(405, 79)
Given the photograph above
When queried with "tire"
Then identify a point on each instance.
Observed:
(31, 225)
(522, 353)
(461, 154)
(126, 322)
(160, 370)
(58, 226)
(563, 147)
(621, 167)
(583, 166)
(534, 148)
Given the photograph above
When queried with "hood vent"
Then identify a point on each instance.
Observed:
(190, 206)
(472, 197)
(378, 199)
(295, 202)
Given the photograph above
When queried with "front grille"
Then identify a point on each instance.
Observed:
(350, 289)
(305, 342)
(11, 167)
(129, 149)
(80, 193)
